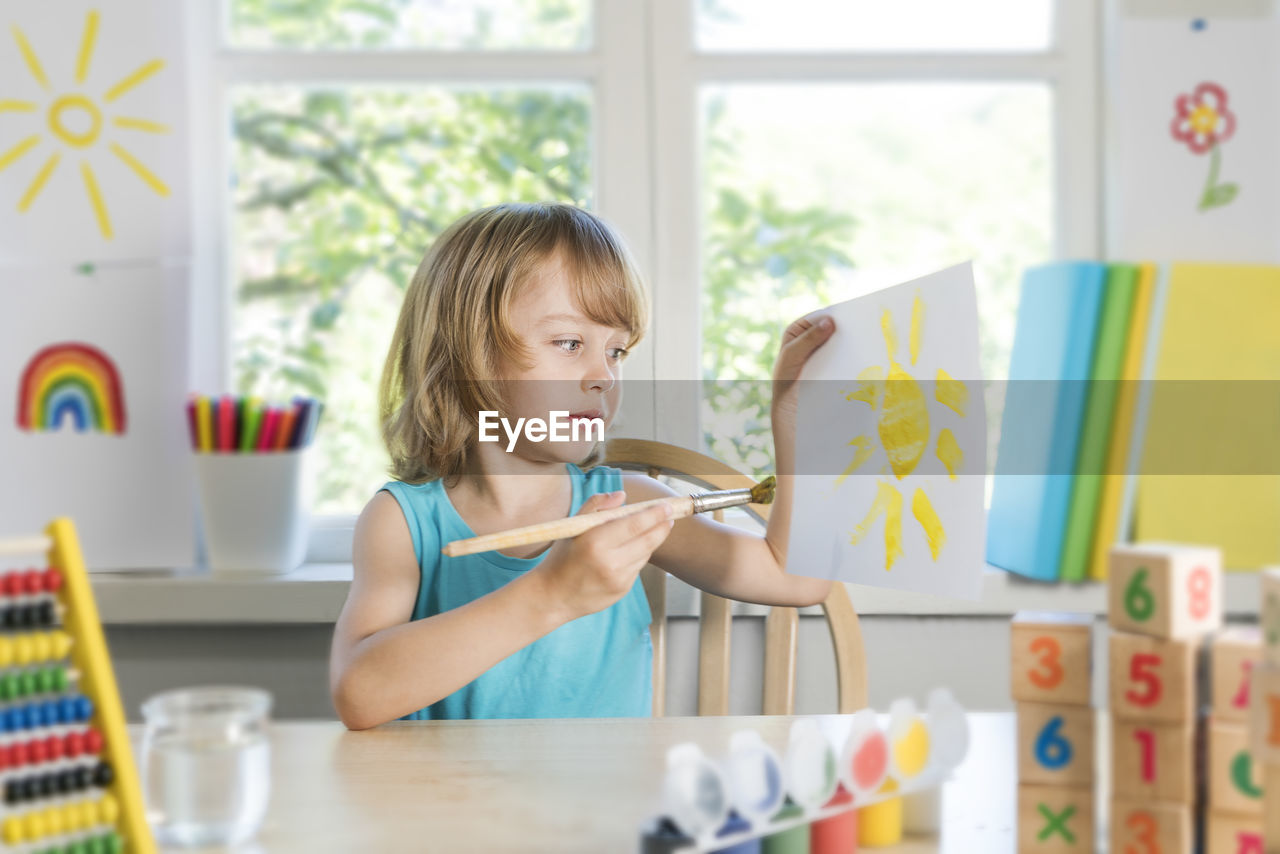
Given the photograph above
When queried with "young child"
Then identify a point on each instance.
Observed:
(526, 309)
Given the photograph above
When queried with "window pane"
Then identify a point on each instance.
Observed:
(338, 193)
(440, 24)
(874, 25)
(819, 193)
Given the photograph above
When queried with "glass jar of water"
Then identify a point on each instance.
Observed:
(206, 764)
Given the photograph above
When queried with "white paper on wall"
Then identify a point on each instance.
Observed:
(93, 131)
(93, 381)
(1194, 123)
(891, 443)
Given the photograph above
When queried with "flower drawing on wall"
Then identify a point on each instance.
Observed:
(1203, 121)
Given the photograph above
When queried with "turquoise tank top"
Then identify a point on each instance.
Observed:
(597, 666)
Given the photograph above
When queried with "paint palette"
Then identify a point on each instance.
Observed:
(66, 770)
(754, 793)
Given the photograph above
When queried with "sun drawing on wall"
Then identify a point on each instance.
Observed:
(902, 419)
(75, 123)
(71, 382)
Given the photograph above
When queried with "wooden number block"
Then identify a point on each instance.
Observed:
(1264, 716)
(1052, 653)
(1151, 761)
(1055, 744)
(1152, 679)
(1167, 591)
(1235, 779)
(1271, 811)
(1232, 655)
(1226, 833)
(1150, 828)
(1269, 615)
(1055, 820)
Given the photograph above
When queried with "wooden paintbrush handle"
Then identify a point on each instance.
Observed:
(560, 529)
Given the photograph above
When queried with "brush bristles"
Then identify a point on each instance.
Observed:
(762, 492)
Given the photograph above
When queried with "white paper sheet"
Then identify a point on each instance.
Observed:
(903, 335)
(1159, 180)
(126, 482)
(93, 131)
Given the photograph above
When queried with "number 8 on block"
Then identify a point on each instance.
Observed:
(1166, 591)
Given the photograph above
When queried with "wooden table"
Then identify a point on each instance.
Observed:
(553, 785)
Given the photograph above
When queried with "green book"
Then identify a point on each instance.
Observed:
(1099, 412)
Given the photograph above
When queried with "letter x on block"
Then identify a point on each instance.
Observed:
(1057, 823)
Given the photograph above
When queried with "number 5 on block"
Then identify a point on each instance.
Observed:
(1051, 657)
(1055, 744)
(1152, 679)
(1166, 591)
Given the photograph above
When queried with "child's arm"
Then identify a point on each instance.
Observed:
(384, 665)
(731, 562)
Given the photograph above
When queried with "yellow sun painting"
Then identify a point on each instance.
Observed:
(75, 121)
(904, 431)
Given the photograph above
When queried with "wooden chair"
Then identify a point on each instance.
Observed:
(658, 459)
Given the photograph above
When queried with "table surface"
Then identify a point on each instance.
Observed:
(554, 785)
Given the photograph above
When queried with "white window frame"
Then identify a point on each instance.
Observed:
(645, 73)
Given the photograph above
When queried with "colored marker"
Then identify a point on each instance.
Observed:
(191, 422)
(315, 421)
(268, 434)
(226, 423)
(284, 429)
(239, 431)
(204, 423)
(253, 423)
(304, 405)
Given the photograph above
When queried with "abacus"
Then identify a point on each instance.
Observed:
(66, 769)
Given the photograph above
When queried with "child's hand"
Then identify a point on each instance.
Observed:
(591, 571)
(798, 342)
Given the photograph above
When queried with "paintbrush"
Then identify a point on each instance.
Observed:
(572, 526)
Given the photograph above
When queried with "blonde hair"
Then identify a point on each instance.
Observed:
(454, 329)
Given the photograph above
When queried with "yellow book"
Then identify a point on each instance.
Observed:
(1210, 471)
(1111, 501)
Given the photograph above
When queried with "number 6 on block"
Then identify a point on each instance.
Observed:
(1166, 591)
(1055, 744)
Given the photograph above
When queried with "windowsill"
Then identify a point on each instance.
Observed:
(315, 593)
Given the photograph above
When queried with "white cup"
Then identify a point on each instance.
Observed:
(255, 509)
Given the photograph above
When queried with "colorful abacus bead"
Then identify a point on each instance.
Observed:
(11, 583)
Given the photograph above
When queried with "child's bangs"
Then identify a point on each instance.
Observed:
(606, 285)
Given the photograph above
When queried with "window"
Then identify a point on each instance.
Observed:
(848, 146)
(758, 163)
(340, 178)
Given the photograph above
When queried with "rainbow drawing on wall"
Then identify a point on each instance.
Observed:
(75, 381)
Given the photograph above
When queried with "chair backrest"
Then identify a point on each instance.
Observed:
(781, 625)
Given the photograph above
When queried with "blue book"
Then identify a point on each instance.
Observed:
(1044, 408)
